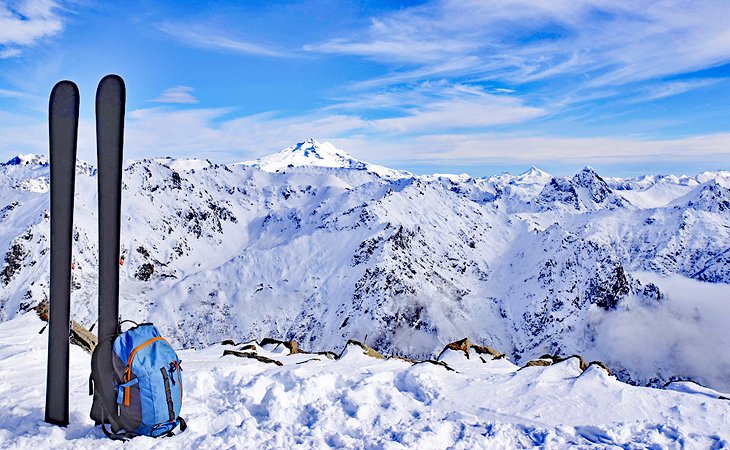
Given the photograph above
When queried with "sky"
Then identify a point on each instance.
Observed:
(627, 87)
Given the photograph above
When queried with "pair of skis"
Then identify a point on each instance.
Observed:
(63, 119)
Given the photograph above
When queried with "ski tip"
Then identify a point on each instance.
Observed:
(66, 88)
(111, 89)
(113, 79)
(64, 100)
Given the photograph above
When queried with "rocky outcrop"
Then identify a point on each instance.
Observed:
(601, 365)
(79, 334)
(538, 363)
(82, 337)
(252, 355)
(366, 350)
(292, 346)
(465, 346)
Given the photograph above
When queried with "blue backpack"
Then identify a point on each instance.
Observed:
(148, 385)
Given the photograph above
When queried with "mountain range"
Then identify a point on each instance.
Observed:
(313, 245)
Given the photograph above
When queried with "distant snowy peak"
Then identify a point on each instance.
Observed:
(27, 159)
(308, 153)
(723, 175)
(713, 196)
(533, 174)
(314, 153)
(585, 191)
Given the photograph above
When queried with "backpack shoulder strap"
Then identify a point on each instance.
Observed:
(116, 436)
(97, 387)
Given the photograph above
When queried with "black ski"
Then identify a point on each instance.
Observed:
(110, 99)
(63, 121)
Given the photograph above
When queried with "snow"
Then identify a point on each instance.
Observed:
(358, 401)
(657, 195)
(28, 159)
(313, 153)
(528, 264)
(656, 191)
(184, 164)
(691, 387)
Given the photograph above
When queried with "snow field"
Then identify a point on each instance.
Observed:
(359, 401)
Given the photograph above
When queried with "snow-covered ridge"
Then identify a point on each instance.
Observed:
(27, 159)
(257, 395)
(309, 152)
(313, 153)
(529, 263)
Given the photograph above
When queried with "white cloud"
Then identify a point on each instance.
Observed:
(177, 94)
(510, 148)
(431, 107)
(482, 111)
(204, 133)
(9, 52)
(608, 42)
(202, 36)
(16, 94)
(671, 88)
(24, 23)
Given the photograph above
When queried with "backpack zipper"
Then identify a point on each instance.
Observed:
(128, 369)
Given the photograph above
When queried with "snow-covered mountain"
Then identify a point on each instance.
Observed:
(314, 245)
(313, 153)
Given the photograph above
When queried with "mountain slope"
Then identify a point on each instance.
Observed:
(529, 264)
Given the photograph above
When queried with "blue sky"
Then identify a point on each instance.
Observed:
(627, 87)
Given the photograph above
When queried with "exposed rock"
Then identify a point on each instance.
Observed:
(328, 354)
(79, 334)
(82, 337)
(367, 350)
(601, 365)
(252, 355)
(538, 362)
(464, 346)
(608, 293)
(581, 361)
(308, 360)
(403, 358)
(228, 342)
(460, 345)
(293, 346)
(437, 363)
(486, 350)
(14, 258)
(42, 310)
(145, 271)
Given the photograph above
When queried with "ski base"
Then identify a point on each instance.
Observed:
(63, 120)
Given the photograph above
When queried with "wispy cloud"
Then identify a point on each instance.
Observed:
(16, 94)
(9, 53)
(606, 42)
(24, 23)
(177, 94)
(671, 88)
(204, 132)
(438, 106)
(509, 148)
(202, 36)
(198, 132)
